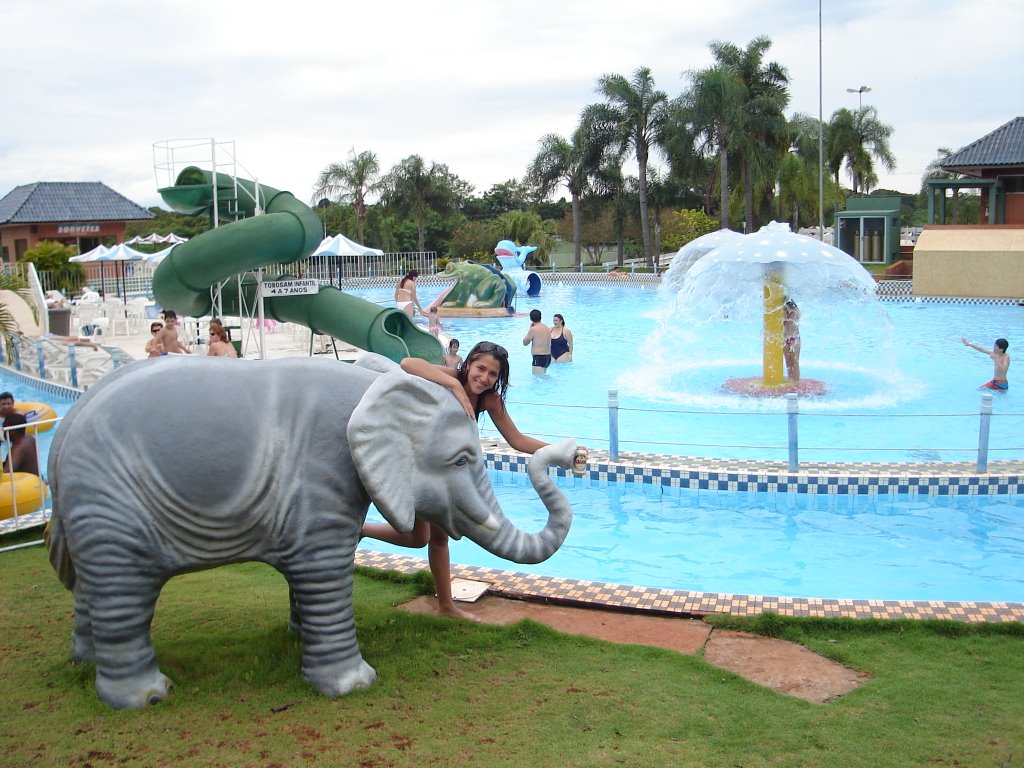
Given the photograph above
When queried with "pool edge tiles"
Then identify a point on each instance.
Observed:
(926, 478)
(683, 603)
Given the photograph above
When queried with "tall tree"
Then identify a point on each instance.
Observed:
(349, 183)
(713, 107)
(635, 114)
(414, 189)
(763, 93)
(858, 137)
(570, 162)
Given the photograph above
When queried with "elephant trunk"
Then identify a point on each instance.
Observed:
(511, 543)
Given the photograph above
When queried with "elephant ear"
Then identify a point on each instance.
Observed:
(392, 422)
(374, 362)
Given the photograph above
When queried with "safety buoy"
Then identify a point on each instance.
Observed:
(26, 491)
(35, 413)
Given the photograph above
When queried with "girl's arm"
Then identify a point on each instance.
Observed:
(499, 415)
(442, 375)
(568, 337)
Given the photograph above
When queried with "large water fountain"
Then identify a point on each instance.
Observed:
(722, 329)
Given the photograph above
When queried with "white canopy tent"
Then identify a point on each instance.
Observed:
(118, 253)
(339, 245)
(156, 239)
(326, 262)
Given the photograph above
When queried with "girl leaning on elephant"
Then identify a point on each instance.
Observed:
(479, 385)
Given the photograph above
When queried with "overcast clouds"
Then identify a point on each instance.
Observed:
(87, 88)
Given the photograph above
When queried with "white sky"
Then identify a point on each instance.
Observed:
(87, 88)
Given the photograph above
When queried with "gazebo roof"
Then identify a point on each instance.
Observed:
(1003, 147)
(68, 201)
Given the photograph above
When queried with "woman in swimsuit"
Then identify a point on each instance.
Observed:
(405, 294)
(219, 344)
(479, 385)
(791, 339)
(561, 341)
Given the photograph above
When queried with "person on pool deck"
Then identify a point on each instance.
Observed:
(22, 456)
(405, 294)
(1000, 363)
(154, 347)
(791, 339)
(169, 335)
(479, 386)
(219, 345)
(539, 336)
(561, 341)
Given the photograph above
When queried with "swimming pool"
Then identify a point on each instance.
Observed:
(913, 398)
(899, 546)
(26, 393)
(882, 547)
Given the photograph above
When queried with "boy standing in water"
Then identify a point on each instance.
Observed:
(1000, 361)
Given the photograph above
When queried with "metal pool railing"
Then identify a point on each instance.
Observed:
(791, 429)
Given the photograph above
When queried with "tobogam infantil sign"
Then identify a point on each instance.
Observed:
(290, 287)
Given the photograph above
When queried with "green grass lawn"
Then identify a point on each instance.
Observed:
(453, 693)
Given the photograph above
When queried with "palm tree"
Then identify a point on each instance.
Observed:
(349, 183)
(635, 115)
(573, 163)
(713, 106)
(413, 189)
(764, 94)
(859, 137)
(935, 171)
(8, 324)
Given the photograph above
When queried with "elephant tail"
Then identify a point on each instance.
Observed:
(57, 547)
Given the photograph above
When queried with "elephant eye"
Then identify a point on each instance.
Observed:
(462, 462)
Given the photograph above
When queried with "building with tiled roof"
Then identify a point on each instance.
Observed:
(985, 259)
(993, 164)
(81, 214)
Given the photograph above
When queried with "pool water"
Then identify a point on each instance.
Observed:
(23, 393)
(884, 547)
(782, 544)
(902, 387)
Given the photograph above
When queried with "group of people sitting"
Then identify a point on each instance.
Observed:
(164, 338)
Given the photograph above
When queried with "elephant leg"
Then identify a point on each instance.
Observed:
(322, 586)
(81, 638)
(121, 607)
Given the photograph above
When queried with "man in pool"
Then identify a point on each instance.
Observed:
(539, 336)
(6, 405)
(1000, 362)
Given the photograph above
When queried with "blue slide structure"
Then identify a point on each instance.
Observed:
(287, 231)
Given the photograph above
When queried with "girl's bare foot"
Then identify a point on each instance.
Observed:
(455, 612)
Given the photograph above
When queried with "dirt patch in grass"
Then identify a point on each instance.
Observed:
(785, 667)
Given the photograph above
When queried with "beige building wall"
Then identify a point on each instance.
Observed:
(981, 261)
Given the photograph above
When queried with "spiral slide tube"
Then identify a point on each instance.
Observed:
(288, 231)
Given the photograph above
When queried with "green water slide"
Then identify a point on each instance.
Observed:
(287, 231)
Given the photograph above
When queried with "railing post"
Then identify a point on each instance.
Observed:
(42, 361)
(793, 411)
(71, 365)
(986, 420)
(613, 423)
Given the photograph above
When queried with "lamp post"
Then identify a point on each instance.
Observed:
(860, 94)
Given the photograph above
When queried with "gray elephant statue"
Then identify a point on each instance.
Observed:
(174, 465)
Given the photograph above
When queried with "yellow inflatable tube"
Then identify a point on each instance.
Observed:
(35, 413)
(26, 491)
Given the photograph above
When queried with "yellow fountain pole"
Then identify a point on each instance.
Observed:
(774, 298)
